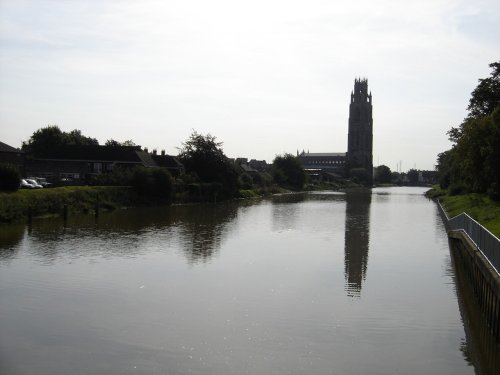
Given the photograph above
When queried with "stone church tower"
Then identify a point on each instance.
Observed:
(360, 136)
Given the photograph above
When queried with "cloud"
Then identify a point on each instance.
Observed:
(282, 68)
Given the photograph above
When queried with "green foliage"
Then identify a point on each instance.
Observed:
(383, 174)
(9, 177)
(42, 202)
(412, 176)
(288, 171)
(152, 183)
(120, 176)
(51, 137)
(113, 143)
(245, 181)
(202, 155)
(473, 163)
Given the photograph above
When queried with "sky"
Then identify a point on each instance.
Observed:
(264, 77)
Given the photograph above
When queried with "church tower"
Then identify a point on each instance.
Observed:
(360, 136)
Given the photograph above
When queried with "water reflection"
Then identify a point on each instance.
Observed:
(10, 236)
(357, 239)
(196, 229)
(203, 230)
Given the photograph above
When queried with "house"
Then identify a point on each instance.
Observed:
(259, 165)
(78, 163)
(171, 163)
(11, 155)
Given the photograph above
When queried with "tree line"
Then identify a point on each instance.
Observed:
(472, 165)
(208, 171)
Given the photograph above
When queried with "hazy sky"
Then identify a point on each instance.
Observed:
(264, 77)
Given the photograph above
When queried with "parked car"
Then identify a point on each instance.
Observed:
(41, 181)
(25, 184)
(35, 184)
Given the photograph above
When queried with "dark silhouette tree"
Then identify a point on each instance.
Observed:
(288, 171)
(203, 156)
(383, 174)
(9, 177)
(51, 137)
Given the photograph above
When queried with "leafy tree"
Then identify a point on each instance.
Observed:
(412, 176)
(152, 183)
(473, 163)
(75, 137)
(202, 155)
(383, 174)
(113, 143)
(486, 96)
(288, 171)
(51, 137)
(9, 177)
(484, 99)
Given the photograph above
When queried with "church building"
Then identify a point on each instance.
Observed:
(359, 155)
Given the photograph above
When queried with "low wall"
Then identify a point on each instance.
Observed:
(483, 278)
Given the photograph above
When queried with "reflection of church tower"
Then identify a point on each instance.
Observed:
(357, 239)
(360, 136)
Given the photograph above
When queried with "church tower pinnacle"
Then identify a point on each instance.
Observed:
(360, 136)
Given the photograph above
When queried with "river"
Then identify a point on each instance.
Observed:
(319, 283)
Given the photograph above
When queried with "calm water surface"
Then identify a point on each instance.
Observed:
(320, 283)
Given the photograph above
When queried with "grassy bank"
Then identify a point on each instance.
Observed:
(19, 205)
(478, 206)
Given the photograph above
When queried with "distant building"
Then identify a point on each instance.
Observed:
(259, 165)
(11, 155)
(171, 163)
(359, 144)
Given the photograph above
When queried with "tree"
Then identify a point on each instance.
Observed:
(486, 96)
(484, 99)
(202, 155)
(9, 177)
(152, 183)
(412, 176)
(288, 171)
(112, 143)
(473, 162)
(51, 137)
(383, 174)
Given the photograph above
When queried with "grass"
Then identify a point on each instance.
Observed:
(19, 205)
(478, 206)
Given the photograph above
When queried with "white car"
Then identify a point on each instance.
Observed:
(33, 183)
(25, 184)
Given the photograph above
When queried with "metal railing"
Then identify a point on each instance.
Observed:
(486, 242)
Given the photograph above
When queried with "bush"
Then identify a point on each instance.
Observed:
(118, 177)
(245, 181)
(288, 171)
(457, 189)
(9, 177)
(152, 183)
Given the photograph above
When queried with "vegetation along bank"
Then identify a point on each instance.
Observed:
(469, 172)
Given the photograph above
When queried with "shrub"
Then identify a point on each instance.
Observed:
(9, 177)
(152, 183)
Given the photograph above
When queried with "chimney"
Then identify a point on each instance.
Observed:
(162, 152)
(146, 150)
(154, 151)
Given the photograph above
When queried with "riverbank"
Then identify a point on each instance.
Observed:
(478, 206)
(26, 203)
